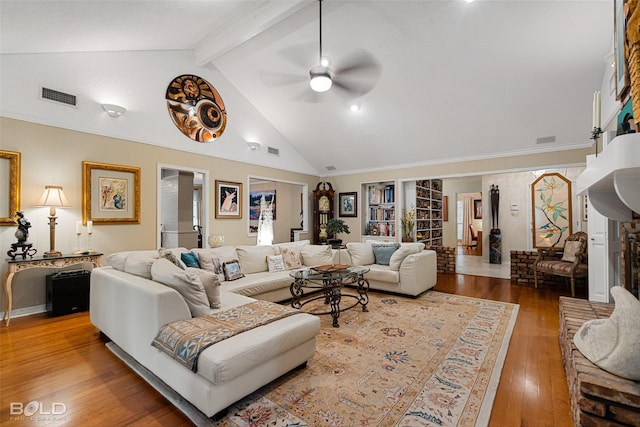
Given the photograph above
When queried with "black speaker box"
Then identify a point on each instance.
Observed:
(68, 292)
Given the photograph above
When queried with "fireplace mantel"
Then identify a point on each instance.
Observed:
(611, 179)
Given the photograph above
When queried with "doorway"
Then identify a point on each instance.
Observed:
(183, 206)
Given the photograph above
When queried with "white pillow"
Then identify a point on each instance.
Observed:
(298, 244)
(187, 283)
(403, 251)
(361, 253)
(139, 263)
(313, 255)
(253, 259)
(118, 259)
(291, 256)
(276, 263)
(212, 259)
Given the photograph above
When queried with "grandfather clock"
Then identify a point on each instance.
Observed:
(322, 211)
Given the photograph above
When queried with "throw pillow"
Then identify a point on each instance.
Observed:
(276, 263)
(570, 249)
(190, 259)
(253, 259)
(361, 253)
(291, 257)
(139, 264)
(232, 270)
(313, 255)
(383, 253)
(188, 284)
(211, 287)
(405, 250)
(166, 253)
(212, 264)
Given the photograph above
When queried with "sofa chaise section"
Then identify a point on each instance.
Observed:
(130, 310)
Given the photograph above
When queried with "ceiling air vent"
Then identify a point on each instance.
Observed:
(546, 139)
(274, 151)
(57, 96)
(331, 168)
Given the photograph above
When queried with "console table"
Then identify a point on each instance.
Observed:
(17, 265)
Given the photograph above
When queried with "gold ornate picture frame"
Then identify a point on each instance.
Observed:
(110, 193)
(10, 168)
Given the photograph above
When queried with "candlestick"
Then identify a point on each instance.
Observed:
(598, 109)
(89, 227)
(78, 227)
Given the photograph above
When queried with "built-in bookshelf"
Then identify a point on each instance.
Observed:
(379, 213)
(425, 196)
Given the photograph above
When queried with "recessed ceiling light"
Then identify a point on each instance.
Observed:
(469, 1)
(354, 107)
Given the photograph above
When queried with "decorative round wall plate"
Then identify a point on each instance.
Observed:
(196, 108)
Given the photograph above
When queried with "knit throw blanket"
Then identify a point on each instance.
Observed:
(184, 340)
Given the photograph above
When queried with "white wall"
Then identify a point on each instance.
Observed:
(516, 225)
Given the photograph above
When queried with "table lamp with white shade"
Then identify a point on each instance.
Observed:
(53, 197)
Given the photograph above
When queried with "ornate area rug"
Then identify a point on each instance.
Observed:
(431, 361)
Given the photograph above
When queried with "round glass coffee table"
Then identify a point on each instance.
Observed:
(326, 282)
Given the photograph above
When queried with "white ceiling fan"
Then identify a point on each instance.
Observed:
(353, 76)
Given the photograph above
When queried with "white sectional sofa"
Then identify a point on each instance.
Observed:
(135, 296)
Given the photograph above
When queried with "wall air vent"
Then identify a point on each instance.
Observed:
(274, 151)
(546, 139)
(331, 168)
(57, 96)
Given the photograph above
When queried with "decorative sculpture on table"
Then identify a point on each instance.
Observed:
(613, 344)
(495, 236)
(22, 234)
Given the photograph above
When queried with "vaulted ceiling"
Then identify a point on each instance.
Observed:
(453, 80)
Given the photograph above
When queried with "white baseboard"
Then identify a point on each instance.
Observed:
(27, 311)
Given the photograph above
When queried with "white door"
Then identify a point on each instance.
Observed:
(604, 255)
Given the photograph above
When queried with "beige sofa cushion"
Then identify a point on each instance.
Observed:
(361, 253)
(187, 283)
(316, 255)
(118, 259)
(253, 259)
(139, 264)
(403, 251)
(211, 259)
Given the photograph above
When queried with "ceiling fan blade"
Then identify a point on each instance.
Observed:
(358, 74)
(310, 96)
(276, 79)
(302, 55)
(360, 64)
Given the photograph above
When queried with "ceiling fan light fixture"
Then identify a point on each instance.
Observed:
(320, 80)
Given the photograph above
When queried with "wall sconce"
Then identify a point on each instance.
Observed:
(113, 110)
(253, 145)
(53, 197)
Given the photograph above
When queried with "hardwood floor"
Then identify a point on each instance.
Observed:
(64, 360)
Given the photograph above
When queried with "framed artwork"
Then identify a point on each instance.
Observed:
(10, 181)
(348, 204)
(477, 209)
(622, 73)
(228, 200)
(255, 198)
(551, 210)
(110, 193)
